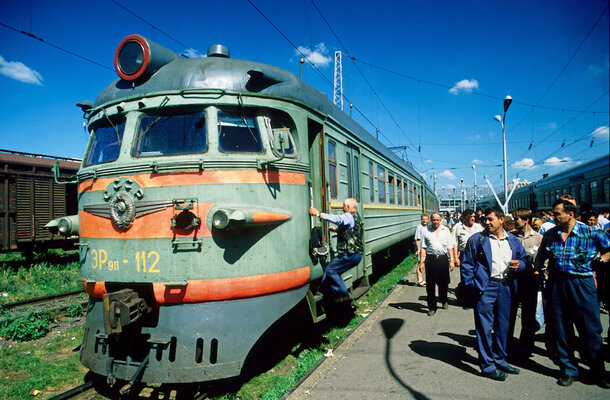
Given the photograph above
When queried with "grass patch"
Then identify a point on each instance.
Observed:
(274, 383)
(31, 326)
(22, 281)
(25, 367)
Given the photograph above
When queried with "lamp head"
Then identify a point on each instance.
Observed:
(507, 101)
(498, 118)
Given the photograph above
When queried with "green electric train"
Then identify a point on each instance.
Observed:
(193, 200)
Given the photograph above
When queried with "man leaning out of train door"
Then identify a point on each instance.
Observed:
(349, 253)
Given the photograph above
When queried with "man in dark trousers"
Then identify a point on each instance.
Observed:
(487, 266)
(437, 255)
(350, 234)
(570, 248)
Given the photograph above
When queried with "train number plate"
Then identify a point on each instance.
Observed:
(141, 262)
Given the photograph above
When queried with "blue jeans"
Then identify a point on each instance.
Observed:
(332, 285)
(574, 301)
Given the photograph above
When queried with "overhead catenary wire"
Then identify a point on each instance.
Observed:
(315, 68)
(72, 53)
(562, 69)
(151, 25)
(466, 91)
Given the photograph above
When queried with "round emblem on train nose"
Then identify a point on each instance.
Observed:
(122, 210)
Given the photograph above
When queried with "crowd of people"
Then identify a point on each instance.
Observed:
(555, 260)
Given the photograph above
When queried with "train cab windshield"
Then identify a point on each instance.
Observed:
(107, 135)
(161, 135)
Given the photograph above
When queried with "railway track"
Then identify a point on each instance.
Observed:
(53, 301)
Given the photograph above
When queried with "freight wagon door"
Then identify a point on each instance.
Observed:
(317, 173)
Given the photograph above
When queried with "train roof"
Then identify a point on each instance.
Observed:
(38, 160)
(240, 76)
(598, 162)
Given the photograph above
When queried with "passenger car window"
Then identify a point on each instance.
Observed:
(238, 133)
(107, 135)
(171, 135)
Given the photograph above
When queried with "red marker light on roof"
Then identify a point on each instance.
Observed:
(137, 57)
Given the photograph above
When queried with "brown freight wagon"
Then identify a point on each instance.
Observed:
(30, 198)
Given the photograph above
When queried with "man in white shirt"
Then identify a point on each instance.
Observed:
(419, 231)
(437, 250)
(463, 230)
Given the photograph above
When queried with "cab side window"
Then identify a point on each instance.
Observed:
(238, 133)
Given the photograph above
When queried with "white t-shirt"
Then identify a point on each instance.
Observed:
(437, 243)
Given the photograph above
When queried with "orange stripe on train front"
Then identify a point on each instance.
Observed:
(151, 226)
(201, 290)
(202, 178)
(94, 289)
(267, 216)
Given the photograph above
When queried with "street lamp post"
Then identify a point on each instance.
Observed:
(474, 167)
(502, 121)
(461, 195)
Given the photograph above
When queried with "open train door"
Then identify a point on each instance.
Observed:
(318, 198)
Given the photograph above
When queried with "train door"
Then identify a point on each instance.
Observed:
(318, 191)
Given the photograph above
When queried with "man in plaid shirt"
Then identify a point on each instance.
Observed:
(570, 247)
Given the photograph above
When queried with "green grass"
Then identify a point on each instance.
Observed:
(52, 274)
(49, 365)
(275, 383)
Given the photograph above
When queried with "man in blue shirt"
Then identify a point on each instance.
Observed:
(570, 247)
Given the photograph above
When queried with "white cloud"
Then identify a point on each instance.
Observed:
(474, 137)
(465, 85)
(491, 134)
(429, 161)
(600, 133)
(555, 162)
(526, 163)
(551, 125)
(449, 186)
(192, 53)
(475, 161)
(19, 71)
(447, 174)
(600, 69)
(317, 56)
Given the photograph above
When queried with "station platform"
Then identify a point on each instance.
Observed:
(399, 352)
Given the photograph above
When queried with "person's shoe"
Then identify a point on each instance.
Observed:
(565, 380)
(496, 375)
(445, 306)
(422, 283)
(509, 369)
(431, 313)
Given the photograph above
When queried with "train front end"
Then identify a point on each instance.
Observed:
(193, 216)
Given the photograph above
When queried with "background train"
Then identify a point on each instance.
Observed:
(588, 182)
(30, 198)
(193, 201)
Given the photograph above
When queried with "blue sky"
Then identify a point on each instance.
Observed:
(436, 71)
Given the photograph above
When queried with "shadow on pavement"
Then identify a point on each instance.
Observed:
(451, 354)
(417, 307)
(390, 327)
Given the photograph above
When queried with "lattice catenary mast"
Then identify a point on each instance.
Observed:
(338, 88)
